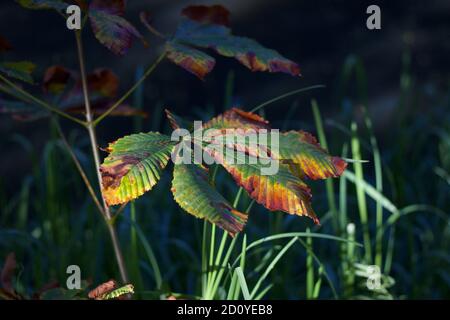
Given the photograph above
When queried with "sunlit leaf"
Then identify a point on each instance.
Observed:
(207, 27)
(237, 118)
(297, 154)
(281, 190)
(134, 165)
(300, 148)
(109, 26)
(190, 59)
(193, 192)
(18, 70)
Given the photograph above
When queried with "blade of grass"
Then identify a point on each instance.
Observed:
(309, 268)
(311, 252)
(271, 266)
(329, 182)
(285, 95)
(360, 194)
(150, 255)
(242, 283)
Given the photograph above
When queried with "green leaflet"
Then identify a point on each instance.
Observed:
(307, 158)
(134, 165)
(193, 192)
(20, 70)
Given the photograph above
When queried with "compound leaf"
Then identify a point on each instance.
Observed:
(207, 27)
(134, 165)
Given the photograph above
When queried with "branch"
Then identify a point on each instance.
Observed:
(40, 102)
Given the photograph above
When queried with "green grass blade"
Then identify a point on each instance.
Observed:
(329, 182)
(271, 266)
(242, 283)
(150, 255)
(360, 194)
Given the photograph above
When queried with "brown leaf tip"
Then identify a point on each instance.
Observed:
(100, 290)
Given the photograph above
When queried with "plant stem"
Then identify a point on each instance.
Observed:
(131, 90)
(39, 102)
(93, 139)
(79, 167)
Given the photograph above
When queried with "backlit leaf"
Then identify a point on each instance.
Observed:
(297, 153)
(207, 27)
(18, 70)
(134, 165)
(236, 118)
(190, 59)
(193, 192)
(300, 148)
(109, 26)
(279, 191)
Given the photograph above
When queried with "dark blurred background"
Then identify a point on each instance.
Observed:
(405, 86)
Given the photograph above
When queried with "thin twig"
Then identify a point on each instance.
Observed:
(40, 102)
(78, 165)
